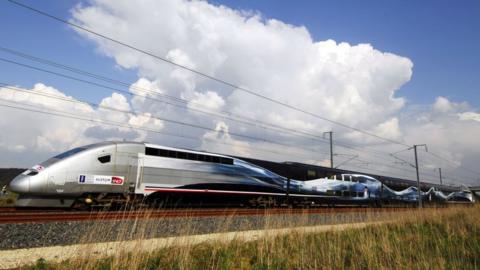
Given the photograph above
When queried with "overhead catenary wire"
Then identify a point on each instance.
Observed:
(136, 127)
(163, 119)
(321, 139)
(425, 179)
(258, 124)
(476, 173)
(375, 162)
(211, 77)
(169, 120)
(114, 81)
(120, 124)
(225, 114)
(338, 144)
(39, 69)
(341, 144)
(374, 159)
(130, 126)
(154, 117)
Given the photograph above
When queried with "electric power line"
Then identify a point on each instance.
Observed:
(239, 135)
(123, 125)
(250, 121)
(257, 124)
(225, 114)
(154, 117)
(114, 81)
(345, 145)
(211, 77)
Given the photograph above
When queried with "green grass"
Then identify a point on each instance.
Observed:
(428, 239)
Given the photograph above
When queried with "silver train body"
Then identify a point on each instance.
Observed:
(129, 172)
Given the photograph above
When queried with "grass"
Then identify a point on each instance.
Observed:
(8, 200)
(428, 239)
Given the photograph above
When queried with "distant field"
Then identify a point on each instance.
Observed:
(427, 239)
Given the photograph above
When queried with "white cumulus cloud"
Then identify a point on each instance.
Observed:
(469, 116)
(43, 121)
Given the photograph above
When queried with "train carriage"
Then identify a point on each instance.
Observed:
(121, 173)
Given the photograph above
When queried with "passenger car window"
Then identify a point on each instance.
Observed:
(104, 159)
(311, 174)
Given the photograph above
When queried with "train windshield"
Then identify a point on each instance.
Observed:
(62, 156)
(69, 153)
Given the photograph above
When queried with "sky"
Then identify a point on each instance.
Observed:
(404, 70)
(440, 37)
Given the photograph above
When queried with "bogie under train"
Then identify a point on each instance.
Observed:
(130, 173)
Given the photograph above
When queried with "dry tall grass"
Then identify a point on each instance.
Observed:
(446, 238)
(7, 200)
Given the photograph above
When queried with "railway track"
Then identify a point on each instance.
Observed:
(32, 216)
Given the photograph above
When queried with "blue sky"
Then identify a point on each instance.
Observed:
(440, 37)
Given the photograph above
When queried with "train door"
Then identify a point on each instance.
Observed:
(56, 182)
(135, 171)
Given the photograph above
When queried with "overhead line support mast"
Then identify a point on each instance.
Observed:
(419, 191)
(330, 133)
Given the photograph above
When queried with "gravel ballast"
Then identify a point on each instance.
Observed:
(28, 235)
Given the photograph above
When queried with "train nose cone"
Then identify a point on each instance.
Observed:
(20, 184)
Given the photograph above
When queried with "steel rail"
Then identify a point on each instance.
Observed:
(30, 216)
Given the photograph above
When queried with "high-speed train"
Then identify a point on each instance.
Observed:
(123, 173)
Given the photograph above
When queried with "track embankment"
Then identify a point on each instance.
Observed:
(21, 257)
(27, 229)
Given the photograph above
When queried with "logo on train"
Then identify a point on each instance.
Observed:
(116, 180)
(81, 179)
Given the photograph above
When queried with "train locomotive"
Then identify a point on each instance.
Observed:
(111, 174)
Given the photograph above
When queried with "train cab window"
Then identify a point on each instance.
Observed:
(105, 159)
(32, 173)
